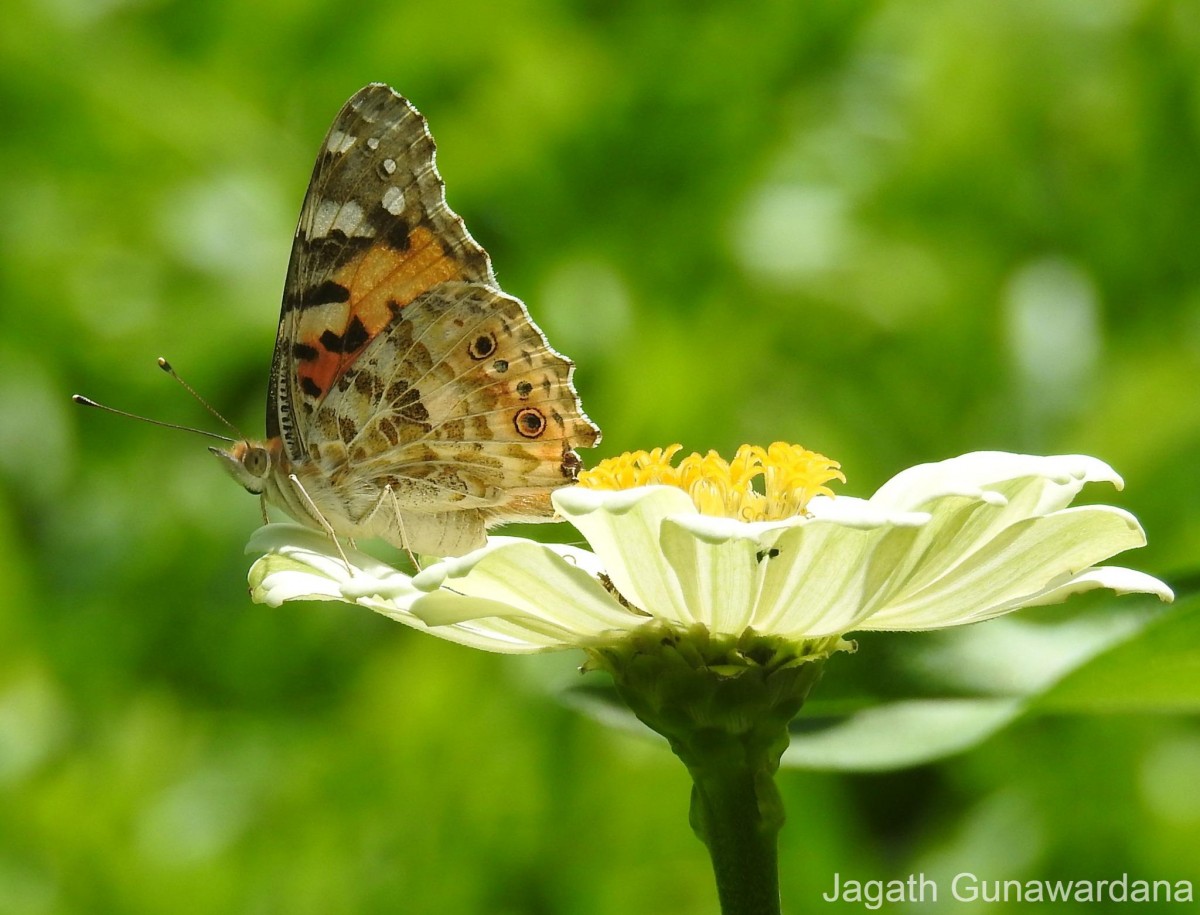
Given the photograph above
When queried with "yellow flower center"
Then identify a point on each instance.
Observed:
(759, 484)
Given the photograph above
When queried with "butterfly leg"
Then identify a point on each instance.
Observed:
(391, 494)
(320, 519)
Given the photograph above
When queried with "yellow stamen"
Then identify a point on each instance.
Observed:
(788, 476)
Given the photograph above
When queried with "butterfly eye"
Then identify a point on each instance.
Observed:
(257, 462)
(530, 422)
(482, 346)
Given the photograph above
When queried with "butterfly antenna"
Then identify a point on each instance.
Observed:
(88, 402)
(166, 367)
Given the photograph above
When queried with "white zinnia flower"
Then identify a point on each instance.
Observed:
(939, 545)
(713, 605)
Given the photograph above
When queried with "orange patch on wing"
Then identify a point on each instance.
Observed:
(381, 279)
(385, 275)
(322, 372)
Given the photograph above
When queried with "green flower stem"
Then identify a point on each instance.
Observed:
(724, 704)
(737, 813)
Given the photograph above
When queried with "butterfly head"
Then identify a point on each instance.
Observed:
(249, 463)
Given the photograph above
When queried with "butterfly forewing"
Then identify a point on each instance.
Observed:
(374, 234)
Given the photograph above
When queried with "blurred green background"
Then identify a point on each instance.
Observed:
(892, 231)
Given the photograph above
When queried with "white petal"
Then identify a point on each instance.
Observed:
(433, 577)
(1005, 572)
(446, 608)
(316, 550)
(395, 587)
(275, 579)
(852, 512)
(956, 526)
(278, 535)
(1114, 578)
(1049, 482)
(304, 564)
(714, 529)
(624, 529)
(471, 620)
(520, 579)
(718, 575)
(823, 576)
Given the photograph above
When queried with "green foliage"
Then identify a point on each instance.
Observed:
(892, 232)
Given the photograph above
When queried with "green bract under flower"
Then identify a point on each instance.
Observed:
(939, 545)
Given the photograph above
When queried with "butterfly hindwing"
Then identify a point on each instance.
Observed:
(470, 406)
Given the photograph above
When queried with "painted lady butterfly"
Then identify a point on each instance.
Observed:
(410, 399)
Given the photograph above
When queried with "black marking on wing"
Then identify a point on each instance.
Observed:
(325, 293)
(353, 339)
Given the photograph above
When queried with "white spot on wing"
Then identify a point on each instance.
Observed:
(372, 142)
(339, 141)
(389, 166)
(350, 220)
(347, 218)
(393, 201)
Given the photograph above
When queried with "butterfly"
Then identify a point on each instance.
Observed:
(410, 398)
